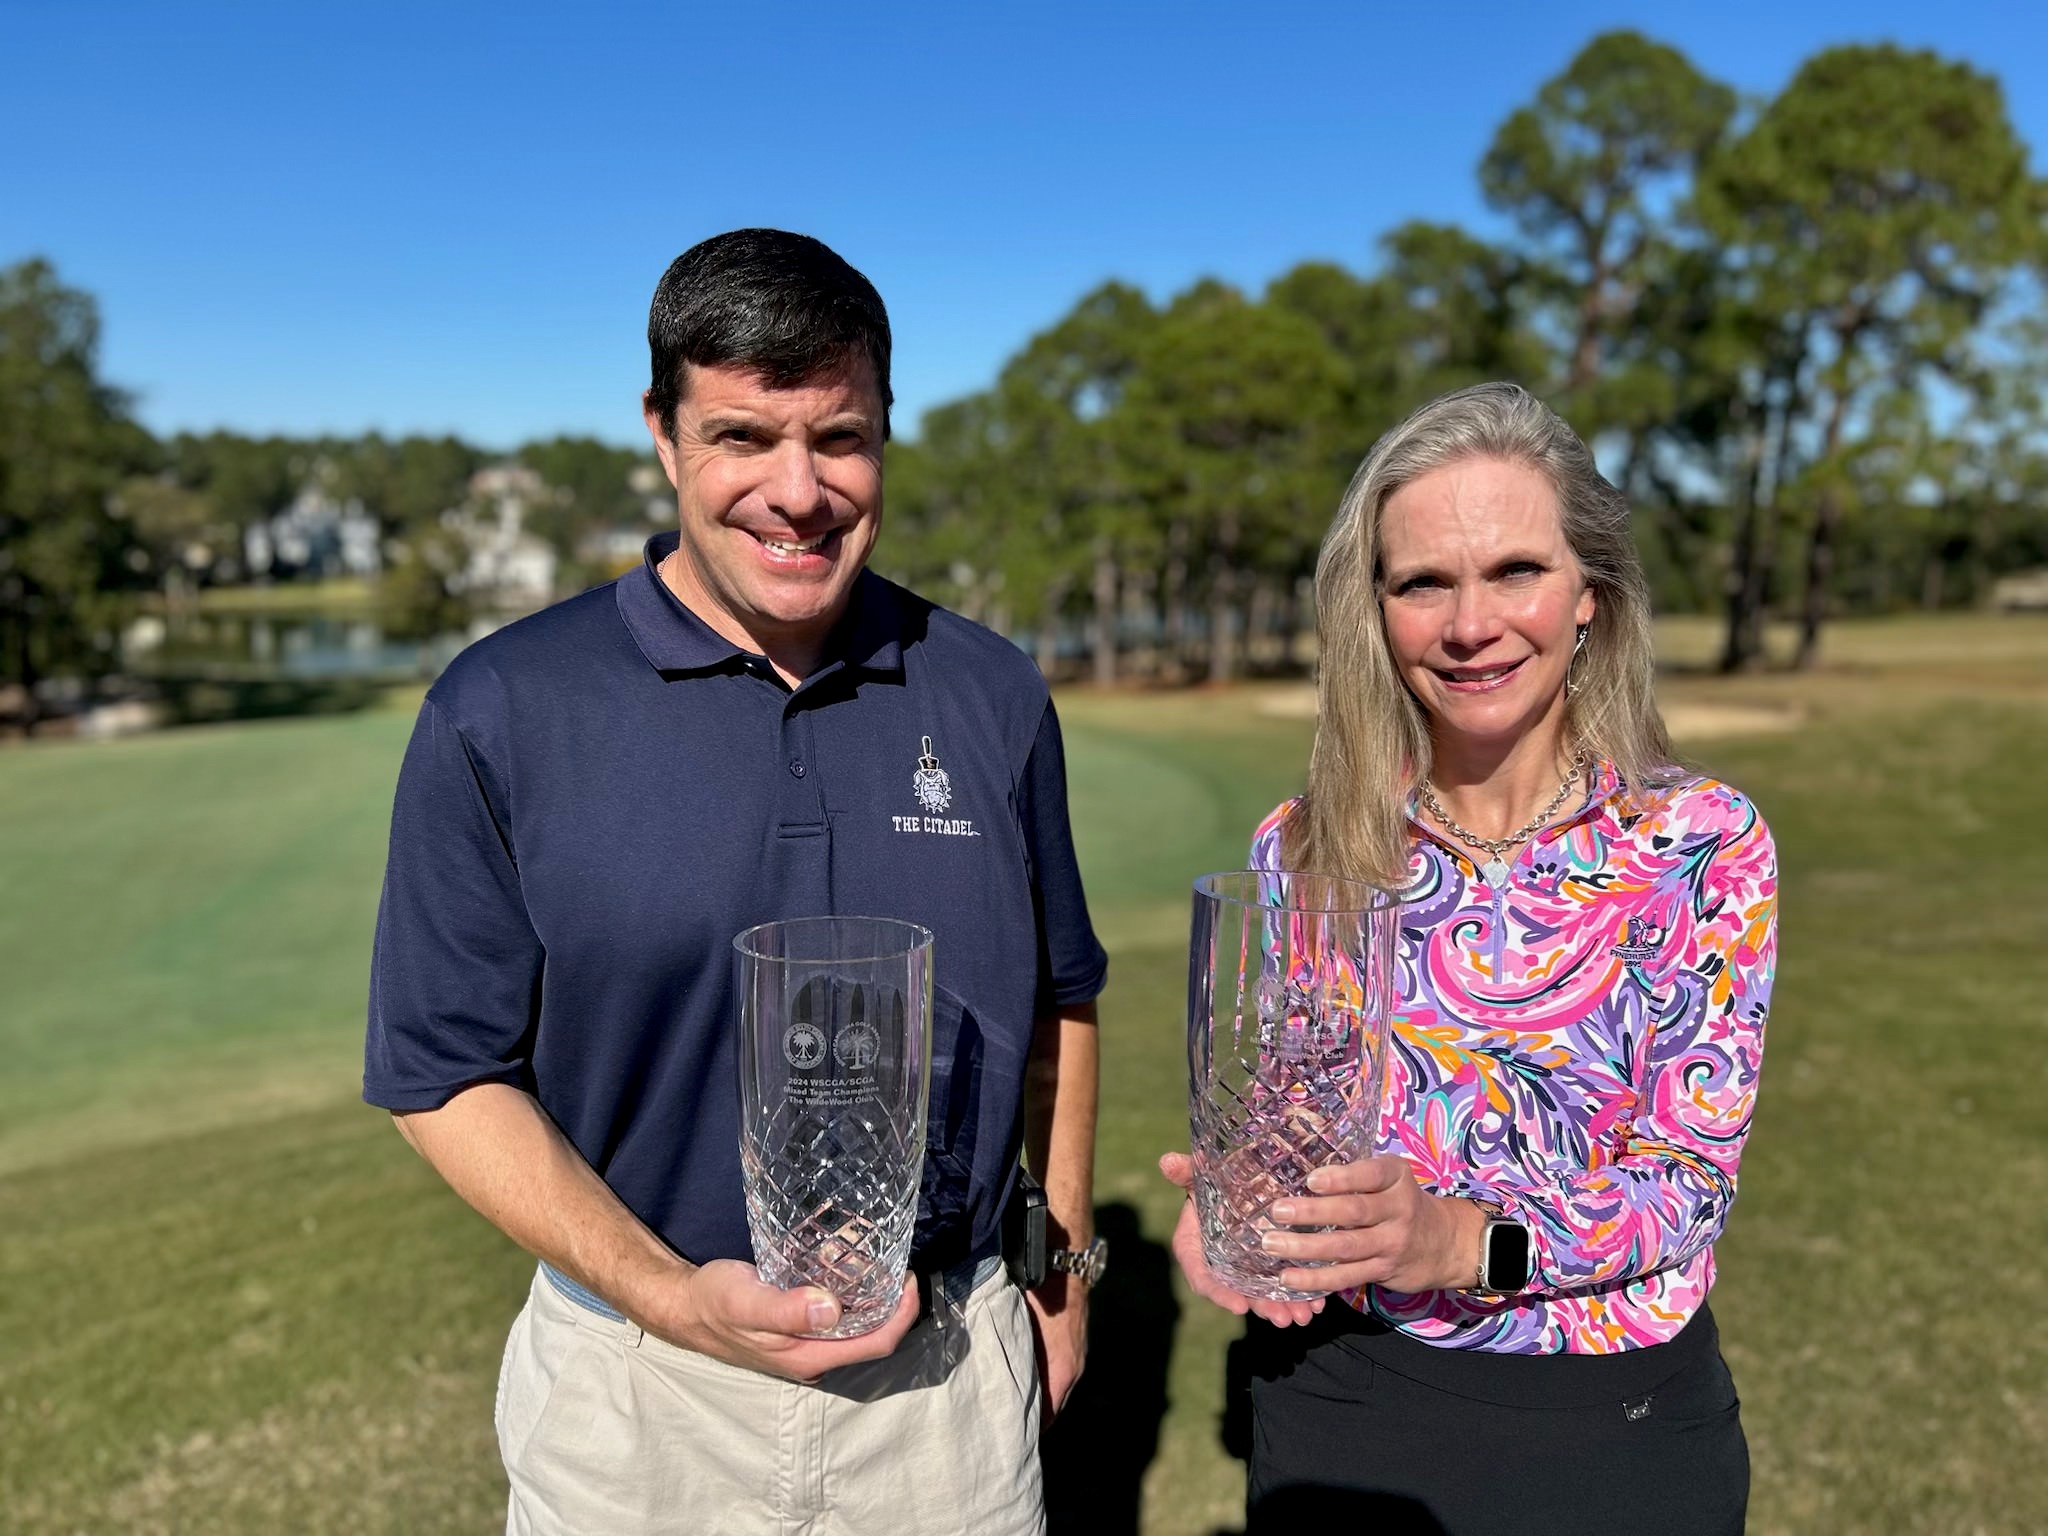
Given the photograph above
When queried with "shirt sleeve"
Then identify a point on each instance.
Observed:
(1667, 1195)
(455, 972)
(1072, 966)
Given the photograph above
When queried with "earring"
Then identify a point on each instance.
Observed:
(1571, 667)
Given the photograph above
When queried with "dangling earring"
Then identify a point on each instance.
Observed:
(1571, 667)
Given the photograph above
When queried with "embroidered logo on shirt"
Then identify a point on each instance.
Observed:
(933, 789)
(1640, 943)
(934, 792)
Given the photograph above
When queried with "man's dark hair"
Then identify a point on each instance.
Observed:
(785, 307)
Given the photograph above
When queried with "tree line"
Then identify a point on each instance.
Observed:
(1804, 335)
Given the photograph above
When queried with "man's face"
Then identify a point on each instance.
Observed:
(779, 495)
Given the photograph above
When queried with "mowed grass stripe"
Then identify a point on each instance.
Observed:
(182, 909)
(284, 1326)
(1899, 1161)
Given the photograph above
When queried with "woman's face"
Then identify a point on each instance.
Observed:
(1482, 599)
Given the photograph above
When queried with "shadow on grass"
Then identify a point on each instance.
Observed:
(1096, 1454)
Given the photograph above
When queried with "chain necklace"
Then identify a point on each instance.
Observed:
(1495, 869)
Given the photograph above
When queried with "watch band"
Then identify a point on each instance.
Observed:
(1084, 1264)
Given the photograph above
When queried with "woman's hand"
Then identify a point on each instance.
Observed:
(1387, 1230)
(1179, 1169)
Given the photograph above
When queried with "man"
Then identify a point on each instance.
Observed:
(595, 800)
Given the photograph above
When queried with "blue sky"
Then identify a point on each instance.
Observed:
(429, 217)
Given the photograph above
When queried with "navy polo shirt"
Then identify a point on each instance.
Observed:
(598, 797)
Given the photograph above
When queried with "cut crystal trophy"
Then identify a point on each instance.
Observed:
(1290, 987)
(834, 1065)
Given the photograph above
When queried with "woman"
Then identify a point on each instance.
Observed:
(1517, 1333)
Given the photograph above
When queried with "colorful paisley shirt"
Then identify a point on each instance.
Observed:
(1581, 1049)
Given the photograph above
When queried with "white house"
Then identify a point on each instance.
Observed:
(507, 565)
(315, 536)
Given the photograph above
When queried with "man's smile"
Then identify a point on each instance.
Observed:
(795, 556)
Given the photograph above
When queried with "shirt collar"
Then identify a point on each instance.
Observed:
(1602, 786)
(673, 639)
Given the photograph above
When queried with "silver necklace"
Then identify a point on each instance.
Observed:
(1495, 870)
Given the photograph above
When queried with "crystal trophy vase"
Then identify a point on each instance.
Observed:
(834, 1063)
(1290, 987)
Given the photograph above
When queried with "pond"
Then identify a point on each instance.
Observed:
(194, 667)
(306, 647)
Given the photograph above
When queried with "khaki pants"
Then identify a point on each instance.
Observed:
(607, 1431)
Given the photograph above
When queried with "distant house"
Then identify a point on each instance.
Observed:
(315, 536)
(2022, 592)
(615, 549)
(650, 483)
(508, 567)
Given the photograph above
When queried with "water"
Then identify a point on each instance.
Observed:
(306, 647)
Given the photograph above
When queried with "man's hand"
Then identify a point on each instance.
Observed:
(1385, 1230)
(1059, 1325)
(499, 1150)
(1179, 1169)
(725, 1310)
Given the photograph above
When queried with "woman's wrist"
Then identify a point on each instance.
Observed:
(1466, 1243)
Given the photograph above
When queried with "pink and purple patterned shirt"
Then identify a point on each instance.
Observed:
(1582, 1048)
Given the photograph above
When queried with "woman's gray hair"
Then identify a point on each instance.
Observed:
(1372, 744)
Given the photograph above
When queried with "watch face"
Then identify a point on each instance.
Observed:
(1094, 1260)
(1507, 1257)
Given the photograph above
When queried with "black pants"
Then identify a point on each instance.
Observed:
(1353, 1421)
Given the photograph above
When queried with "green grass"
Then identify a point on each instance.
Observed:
(339, 594)
(231, 1301)
(186, 919)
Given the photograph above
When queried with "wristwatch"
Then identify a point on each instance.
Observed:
(1503, 1256)
(1084, 1264)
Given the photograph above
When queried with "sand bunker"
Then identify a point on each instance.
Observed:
(1695, 722)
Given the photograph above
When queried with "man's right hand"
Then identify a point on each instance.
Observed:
(499, 1150)
(727, 1311)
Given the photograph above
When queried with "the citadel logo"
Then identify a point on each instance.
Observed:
(934, 791)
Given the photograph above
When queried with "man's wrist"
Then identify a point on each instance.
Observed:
(1082, 1263)
(1060, 1299)
(660, 1294)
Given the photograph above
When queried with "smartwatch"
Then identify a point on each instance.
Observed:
(1503, 1256)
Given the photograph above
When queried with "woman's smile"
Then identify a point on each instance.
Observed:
(1479, 679)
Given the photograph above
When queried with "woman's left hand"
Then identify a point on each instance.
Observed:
(1387, 1230)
